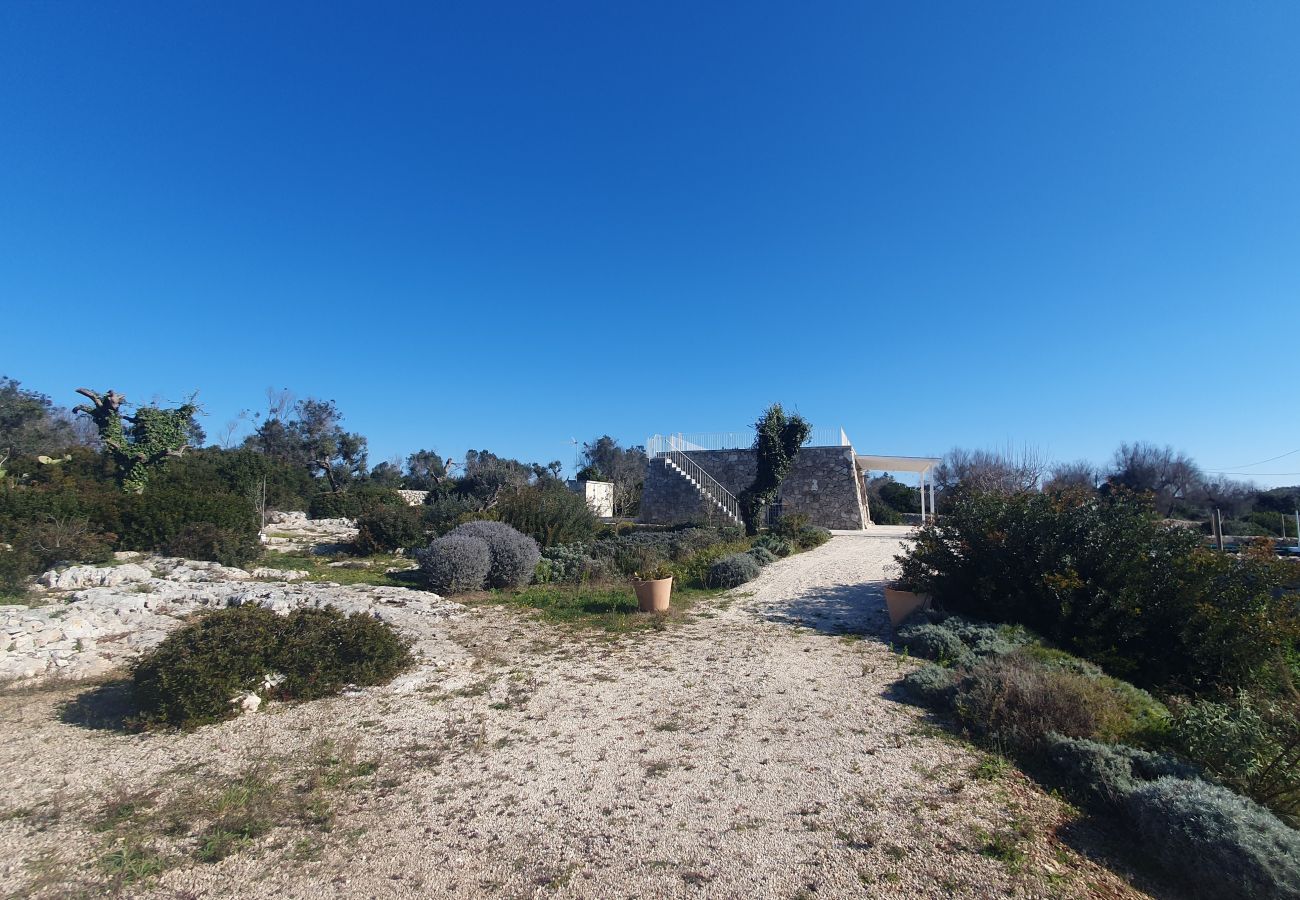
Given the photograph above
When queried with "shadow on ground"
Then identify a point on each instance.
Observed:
(836, 610)
(106, 707)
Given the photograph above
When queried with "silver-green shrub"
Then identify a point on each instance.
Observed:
(931, 685)
(932, 642)
(514, 555)
(733, 571)
(762, 555)
(1104, 774)
(455, 563)
(775, 545)
(1224, 845)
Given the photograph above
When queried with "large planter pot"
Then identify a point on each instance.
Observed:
(902, 604)
(653, 595)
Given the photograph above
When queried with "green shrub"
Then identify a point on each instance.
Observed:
(1101, 576)
(1222, 845)
(1251, 743)
(514, 556)
(322, 651)
(931, 685)
(570, 564)
(788, 526)
(795, 530)
(775, 545)
(243, 472)
(548, 514)
(191, 677)
(156, 518)
(762, 555)
(810, 537)
(387, 529)
(352, 503)
(733, 570)
(444, 511)
(1014, 701)
(455, 563)
(228, 546)
(17, 568)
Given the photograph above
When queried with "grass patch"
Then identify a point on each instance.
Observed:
(609, 607)
(208, 819)
(132, 862)
(319, 570)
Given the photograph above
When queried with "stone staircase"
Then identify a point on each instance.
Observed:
(712, 494)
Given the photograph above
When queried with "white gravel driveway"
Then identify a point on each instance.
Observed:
(754, 751)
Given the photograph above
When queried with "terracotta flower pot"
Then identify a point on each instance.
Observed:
(902, 604)
(653, 595)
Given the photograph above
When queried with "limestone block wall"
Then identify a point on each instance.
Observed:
(823, 483)
(667, 498)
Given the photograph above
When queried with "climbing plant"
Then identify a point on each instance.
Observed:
(140, 444)
(777, 440)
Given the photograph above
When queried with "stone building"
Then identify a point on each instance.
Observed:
(696, 478)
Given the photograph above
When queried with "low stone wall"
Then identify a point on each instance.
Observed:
(823, 483)
(414, 498)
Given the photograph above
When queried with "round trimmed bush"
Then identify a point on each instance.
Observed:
(455, 563)
(513, 555)
(733, 571)
(762, 555)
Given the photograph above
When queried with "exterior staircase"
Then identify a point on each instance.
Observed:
(712, 494)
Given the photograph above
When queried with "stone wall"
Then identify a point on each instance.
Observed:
(823, 483)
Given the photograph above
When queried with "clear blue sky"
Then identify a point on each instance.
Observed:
(505, 225)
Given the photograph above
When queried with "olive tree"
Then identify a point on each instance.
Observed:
(140, 444)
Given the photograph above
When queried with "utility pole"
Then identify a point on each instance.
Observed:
(1218, 529)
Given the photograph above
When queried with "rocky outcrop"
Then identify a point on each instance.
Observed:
(113, 616)
(293, 532)
(78, 577)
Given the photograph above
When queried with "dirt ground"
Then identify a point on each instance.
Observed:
(757, 749)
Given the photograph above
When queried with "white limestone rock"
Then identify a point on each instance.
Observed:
(79, 577)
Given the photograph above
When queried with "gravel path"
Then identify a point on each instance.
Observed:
(756, 750)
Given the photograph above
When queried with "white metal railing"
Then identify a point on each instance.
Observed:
(659, 444)
(674, 453)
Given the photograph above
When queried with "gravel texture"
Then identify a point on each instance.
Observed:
(754, 750)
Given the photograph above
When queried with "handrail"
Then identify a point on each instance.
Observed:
(735, 440)
(708, 485)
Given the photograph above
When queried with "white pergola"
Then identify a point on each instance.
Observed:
(921, 465)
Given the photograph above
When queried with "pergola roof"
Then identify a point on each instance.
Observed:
(920, 464)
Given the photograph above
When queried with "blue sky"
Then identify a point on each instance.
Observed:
(505, 225)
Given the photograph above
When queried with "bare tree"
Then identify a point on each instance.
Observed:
(1079, 473)
(1007, 471)
(1232, 498)
(1171, 475)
